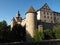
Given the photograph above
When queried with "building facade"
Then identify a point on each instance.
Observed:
(45, 14)
(56, 17)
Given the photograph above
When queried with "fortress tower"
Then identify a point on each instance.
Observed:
(30, 22)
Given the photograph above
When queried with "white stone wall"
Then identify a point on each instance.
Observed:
(30, 24)
(41, 14)
(23, 22)
(38, 15)
(18, 22)
(40, 28)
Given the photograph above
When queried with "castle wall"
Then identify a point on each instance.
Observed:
(23, 23)
(30, 24)
(40, 28)
(48, 25)
(38, 15)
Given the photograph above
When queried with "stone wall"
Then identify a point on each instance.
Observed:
(45, 42)
(48, 25)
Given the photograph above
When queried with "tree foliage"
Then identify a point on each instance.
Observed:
(3, 25)
(48, 34)
(38, 35)
(56, 30)
(17, 33)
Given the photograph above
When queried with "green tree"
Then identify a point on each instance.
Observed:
(38, 35)
(56, 30)
(3, 25)
(48, 34)
(3, 30)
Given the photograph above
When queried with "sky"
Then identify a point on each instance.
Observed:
(9, 8)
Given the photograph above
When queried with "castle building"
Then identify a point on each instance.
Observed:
(44, 14)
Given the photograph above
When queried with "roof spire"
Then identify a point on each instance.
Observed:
(18, 14)
(31, 9)
(13, 19)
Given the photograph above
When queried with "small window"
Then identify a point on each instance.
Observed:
(57, 18)
(44, 8)
(44, 16)
(51, 17)
(54, 17)
(44, 12)
(47, 16)
(50, 13)
(54, 13)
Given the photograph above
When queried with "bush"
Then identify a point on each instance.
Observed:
(56, 30)
(48, 34)
(38, 35)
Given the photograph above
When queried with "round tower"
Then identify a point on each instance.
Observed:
(30, 23)
(18, 18)
(13, 22)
